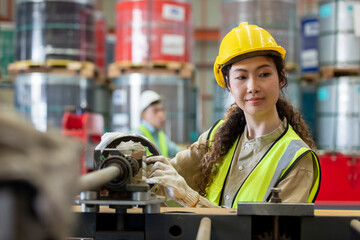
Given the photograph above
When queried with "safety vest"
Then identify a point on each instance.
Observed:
(271, 169)
(162, 140)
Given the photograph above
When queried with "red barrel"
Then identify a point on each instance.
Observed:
(153, 31)
(100, 40)
(340, 179)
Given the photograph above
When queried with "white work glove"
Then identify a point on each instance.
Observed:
(164, 174)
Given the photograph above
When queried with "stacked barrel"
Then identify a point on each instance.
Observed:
(7, 40)
(54, 65)
(280, 19)
(153, 51)
(338, 101)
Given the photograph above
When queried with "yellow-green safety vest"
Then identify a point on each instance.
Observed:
(162, 140)
(271, 169)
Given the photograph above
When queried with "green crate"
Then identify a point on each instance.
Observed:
(7, 47)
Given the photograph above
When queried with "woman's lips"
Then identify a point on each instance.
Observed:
(254, 100)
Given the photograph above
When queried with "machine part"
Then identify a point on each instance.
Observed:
(125, 172)
(108, 147)
(149, 206)
(269, 236)
(204, 232)
(276, 228)
(180, 225)
(355, 226)
(96, 179)
(275, 209)
(89, 195)
(115, 167)
(275, 195)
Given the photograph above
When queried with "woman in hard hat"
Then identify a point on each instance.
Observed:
(262, 143)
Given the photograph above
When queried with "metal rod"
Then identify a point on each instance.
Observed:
(276, 228)
(355, 225)
(96, 179)
(204, 232)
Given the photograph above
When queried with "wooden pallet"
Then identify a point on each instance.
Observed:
(291, 67)
(310, 77)
(184, 70)
(85, 69)
(334, 71)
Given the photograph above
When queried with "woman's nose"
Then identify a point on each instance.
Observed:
(252, 85)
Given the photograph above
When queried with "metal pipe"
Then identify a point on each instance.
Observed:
(355, 225)
(204, 232)
(96, 179)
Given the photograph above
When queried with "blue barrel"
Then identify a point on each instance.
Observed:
(309, 44)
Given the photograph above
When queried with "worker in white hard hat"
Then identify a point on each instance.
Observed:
(262, 143)
(153, 118)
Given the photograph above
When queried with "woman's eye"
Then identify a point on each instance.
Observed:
(240, 77)
(264, 74)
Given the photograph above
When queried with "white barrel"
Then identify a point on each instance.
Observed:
(338, 44)
(102, 103)
(292, 91)
(222, 101)
(338, 114)
(42, 98)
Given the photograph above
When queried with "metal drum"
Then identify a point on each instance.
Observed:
(54, 30)
(292, 91)
(308, 110)
(6, 97)
(100, 41)
(42, 98)
(110, 48)
(153, 30)
(309, 54)
(338, 44)
(276, 16)
(175, 92)
(222, 101)
(338, 114)
(102, 103)
(7, 40)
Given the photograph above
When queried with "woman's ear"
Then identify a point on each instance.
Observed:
(282, 79)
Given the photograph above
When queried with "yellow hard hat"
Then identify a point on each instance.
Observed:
(242, 40)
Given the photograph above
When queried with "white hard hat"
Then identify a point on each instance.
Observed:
(147, 98)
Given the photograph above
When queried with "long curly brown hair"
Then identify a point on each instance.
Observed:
(234, 126)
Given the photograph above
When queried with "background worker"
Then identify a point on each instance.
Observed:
(262, 143)
(153, 119)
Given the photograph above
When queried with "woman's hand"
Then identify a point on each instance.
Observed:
(164, 174)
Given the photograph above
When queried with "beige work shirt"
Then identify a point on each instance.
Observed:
(295, 187)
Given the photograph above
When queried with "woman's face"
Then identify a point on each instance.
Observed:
(254, 84)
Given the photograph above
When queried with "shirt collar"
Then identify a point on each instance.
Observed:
(148, 126)
(268, 138)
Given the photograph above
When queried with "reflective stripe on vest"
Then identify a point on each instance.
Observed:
(162, 140)
(270, 170)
